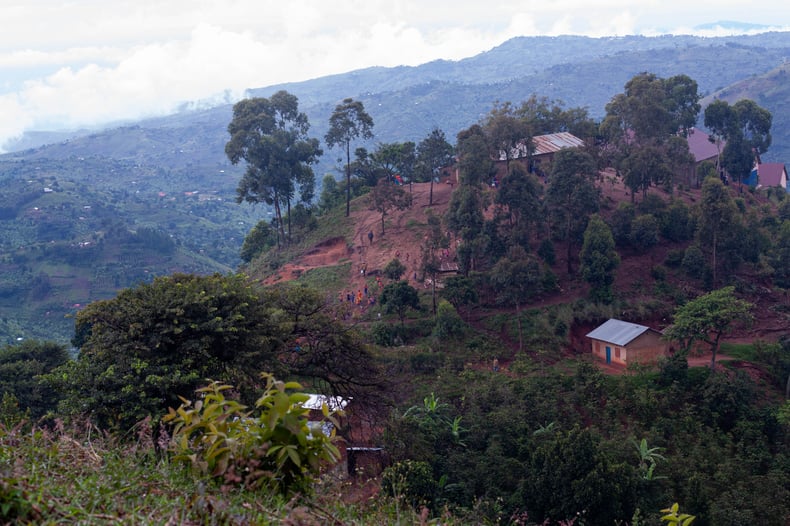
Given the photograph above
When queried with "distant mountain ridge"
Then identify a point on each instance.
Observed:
(407, 101)
(735, 26)
(170, 174)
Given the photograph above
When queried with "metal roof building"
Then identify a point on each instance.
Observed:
(544, 145)
(623, 342)
(618, 332)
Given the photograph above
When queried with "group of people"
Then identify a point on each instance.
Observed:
(363, 296)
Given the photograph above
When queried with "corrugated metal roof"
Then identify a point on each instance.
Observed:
(618, 332)
(543, 144)
(555, 142)
(333, 402)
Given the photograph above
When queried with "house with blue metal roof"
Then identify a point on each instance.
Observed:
(623, 342)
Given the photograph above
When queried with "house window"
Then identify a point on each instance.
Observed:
(617, 352)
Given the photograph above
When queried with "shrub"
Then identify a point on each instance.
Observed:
(15, 502)
(674, 258)
(678, 223)
(621, 223)
(658, 272)
(560, 328)
(549, 281)
(674, 368)
(546, 252)
(694, 262)
(652, 204)
(411, 480)
(448, 323)
(394, 269)
(261, 238)
(383, 334)
(644, 232)
(426, 362)
(272, 446)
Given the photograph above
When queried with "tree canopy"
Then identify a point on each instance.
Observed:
(652, 109)
(433, 154)
(717, 214)
(348, 122)
(707, 318)
(599, 259)
(399, 297)
(387, 196)
(571, 194)
(746, 129)
(270, 135)
(20, 366)
(151, 344)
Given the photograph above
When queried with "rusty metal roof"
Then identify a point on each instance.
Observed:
(544, 144)
(555, 142)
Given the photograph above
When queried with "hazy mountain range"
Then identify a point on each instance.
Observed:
(157, 195)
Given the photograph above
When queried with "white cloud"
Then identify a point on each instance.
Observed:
(83, 62)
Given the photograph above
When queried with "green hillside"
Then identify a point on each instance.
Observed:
(68, 240)
(171, 174)
(771, 90)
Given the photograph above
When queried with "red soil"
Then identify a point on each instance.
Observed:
(404, 232)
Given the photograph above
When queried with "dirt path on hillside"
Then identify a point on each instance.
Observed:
(403, 234)
(400, 238)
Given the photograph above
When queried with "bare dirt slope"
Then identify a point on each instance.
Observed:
(404, 231)
(401, 237)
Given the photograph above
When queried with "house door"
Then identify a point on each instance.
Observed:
(608, 354)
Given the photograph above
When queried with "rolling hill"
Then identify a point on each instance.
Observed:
(157, 196)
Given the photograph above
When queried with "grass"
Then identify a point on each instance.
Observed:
(330, 225)
(741, 351)
(59, 475)
(332, 279)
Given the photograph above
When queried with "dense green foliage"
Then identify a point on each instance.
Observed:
(273, 447)
(572, 195)
(348, 122)
(707, 318)
(400, 297)
(20, 366)
(599, 259)
(270, 136)
(555, 445)
(491, 413)
(142, 350)
(151, 345)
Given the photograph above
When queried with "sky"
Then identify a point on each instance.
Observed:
(70, 64)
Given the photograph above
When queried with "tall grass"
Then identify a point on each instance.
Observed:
(79, 475)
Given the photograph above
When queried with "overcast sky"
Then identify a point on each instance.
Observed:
(74, 63)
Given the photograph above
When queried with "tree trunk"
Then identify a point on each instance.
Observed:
(715, 236)
(433, 292)
(288, 205)
(348, 178)
(568, 239)
(518, 321)
(279, 216)
(714, 350)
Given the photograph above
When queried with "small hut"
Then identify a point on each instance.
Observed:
(623, 342)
